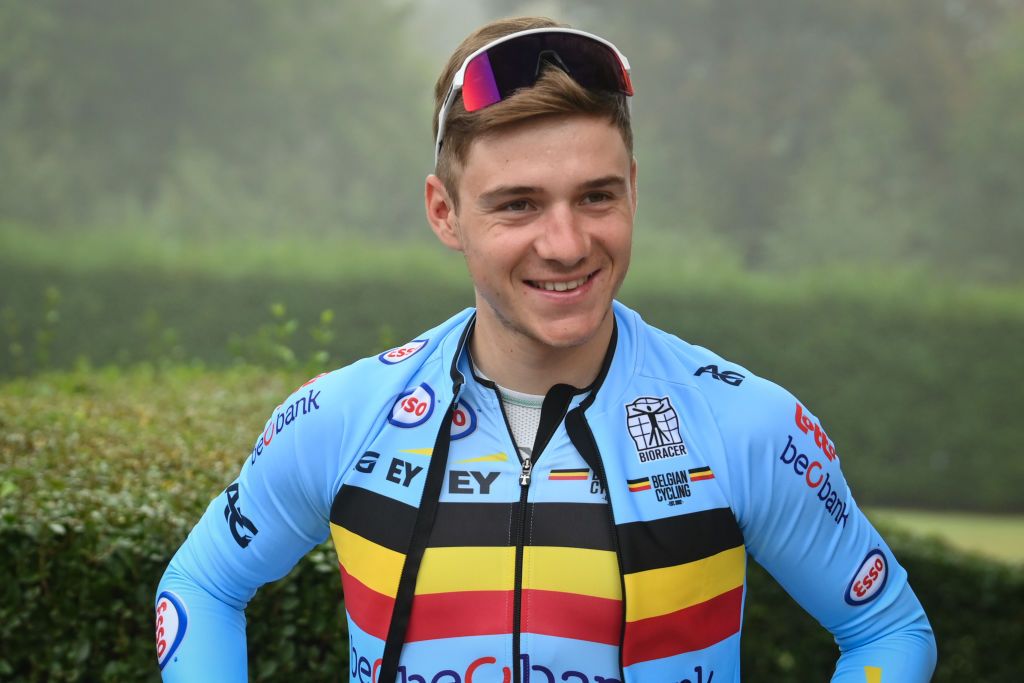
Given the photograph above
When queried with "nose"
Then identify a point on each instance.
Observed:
(563, 238)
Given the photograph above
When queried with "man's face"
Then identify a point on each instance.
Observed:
(545, 222)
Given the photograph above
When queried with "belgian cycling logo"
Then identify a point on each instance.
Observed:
(400, 353)
(654, 426)
(171, 625)
(413, 408)
(671, 487)
(237, 522)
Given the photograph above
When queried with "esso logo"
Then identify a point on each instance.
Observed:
(171, 625)
(463, 421)
(397, 355)
(413, 408)
(869, 580)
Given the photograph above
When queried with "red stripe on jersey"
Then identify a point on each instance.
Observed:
(570, 615)
(463, 613)
(686, 630)
(369, 609)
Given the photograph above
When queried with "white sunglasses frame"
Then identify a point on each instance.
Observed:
(460, 75)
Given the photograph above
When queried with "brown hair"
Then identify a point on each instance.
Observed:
(555, 92)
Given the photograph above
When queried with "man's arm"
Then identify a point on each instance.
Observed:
(252, 533)
(800, 522)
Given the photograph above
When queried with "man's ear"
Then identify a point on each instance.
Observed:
(441, 213)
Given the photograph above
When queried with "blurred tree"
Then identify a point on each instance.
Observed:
(302, 110)
(857, 197)
(739, 99)
(985, 230)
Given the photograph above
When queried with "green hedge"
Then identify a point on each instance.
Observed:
(916, 384)
(103, 474)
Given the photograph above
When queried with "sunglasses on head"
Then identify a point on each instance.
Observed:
(495, 71)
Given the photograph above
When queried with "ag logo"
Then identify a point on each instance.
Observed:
(869, 580)
(397, 355)
(728, 376)
(171, 624)
(414, 407)
(654, 426)
(463, 421)
(236, 520)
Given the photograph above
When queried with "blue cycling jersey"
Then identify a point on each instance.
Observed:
(615, 550)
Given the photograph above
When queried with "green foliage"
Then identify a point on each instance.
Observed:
(876, 131)
(271, 345)
(102, 474)
(906, 372)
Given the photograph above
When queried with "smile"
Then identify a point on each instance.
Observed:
(560, 286)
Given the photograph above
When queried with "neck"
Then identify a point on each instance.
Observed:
(515, 361)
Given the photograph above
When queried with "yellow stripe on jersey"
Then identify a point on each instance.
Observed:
(656, 592)
(373, 565)
(450, 570)
(572, 570)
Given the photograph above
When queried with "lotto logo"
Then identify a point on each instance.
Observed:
(413, 408)
(397, 355)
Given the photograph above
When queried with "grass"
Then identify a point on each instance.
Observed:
(999, 537)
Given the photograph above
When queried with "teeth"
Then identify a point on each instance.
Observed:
(561, 286)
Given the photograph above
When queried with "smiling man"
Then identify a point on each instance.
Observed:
(543, 487)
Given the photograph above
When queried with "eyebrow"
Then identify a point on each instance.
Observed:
(504, 191)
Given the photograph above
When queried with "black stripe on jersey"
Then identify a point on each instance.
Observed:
(569, 525)
(677, 540)
(375, 517)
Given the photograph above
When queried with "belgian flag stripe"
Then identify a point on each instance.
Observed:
(572, 570)
(383, 520)
(377, 567)
(478, 613)
(661, 591)
(369, 609)
(568, 615)
(642, 480)
(573, 525)
(480, 568)
(456, 615)
(686, 630)
(655, 543)
(700, 473)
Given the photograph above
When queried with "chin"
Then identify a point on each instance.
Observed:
(567, 335)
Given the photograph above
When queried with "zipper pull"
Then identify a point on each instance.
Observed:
(524, 476)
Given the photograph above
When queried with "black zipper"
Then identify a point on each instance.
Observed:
(556, 403)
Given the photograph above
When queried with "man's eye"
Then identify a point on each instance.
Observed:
(596, 197)
(517, 205)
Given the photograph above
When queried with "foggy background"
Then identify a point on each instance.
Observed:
(830, 195)
(204, 203)
(784, 135)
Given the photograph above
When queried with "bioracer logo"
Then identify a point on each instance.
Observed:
(654, 425)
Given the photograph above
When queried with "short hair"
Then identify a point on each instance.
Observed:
(555, 92)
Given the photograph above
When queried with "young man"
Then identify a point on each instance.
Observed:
(543, 486)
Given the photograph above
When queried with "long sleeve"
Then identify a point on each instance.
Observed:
(252, 533)
(801, 523)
